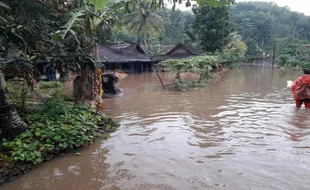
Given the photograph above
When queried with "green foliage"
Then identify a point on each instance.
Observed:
(14, 91)
(99, 4)
(182, 85)
(283, 60)
(204, 66)
(213, 26)
(177, 27)
(51, 84)
(287, 61)
(305, 65)
(144, 22)
(288, 46)
(262, 23)
(57, 127)
(235, 50)
(197, 64)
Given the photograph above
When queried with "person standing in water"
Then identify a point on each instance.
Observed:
(301, 89)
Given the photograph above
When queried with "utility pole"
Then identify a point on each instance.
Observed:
(274, 53)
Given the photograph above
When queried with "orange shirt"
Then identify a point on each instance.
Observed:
(301, 88)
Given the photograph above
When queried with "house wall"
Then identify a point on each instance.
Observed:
(134, 67)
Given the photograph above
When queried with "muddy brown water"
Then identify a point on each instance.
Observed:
(241, 133)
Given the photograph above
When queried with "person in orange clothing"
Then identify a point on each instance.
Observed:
(301, 89)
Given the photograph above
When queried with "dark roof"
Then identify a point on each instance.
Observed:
(174, 54)
(162, 48)
(188, 48)
(123, 53)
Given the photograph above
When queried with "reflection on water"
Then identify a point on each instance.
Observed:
(241, 133)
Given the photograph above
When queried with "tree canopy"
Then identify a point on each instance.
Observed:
(261, 23)
(213, 26)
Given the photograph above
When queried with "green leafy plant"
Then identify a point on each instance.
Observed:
(287, 61)
(305, 65)
(53, 84)
(204, 66)
(57, 127)
(283, 60)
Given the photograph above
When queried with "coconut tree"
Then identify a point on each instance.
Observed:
(145, 22)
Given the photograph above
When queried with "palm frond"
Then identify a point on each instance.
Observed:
(4, 5)
(75, 17)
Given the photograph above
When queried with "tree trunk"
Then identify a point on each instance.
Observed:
(145, 42)
(11, 124)
(83, 83)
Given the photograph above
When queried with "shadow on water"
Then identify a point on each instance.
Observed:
(239, 133)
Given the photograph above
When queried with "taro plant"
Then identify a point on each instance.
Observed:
(57, 127)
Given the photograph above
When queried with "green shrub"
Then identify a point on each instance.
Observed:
(287, 61)
(51, 84)
(293, 62)
(305, 65)
(57, 127)
(180, 84)
(204, 66)
(283, 59)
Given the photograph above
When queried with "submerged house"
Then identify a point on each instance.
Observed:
(125, 57)
(179, 51)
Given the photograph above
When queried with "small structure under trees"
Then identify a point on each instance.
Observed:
(179, 51)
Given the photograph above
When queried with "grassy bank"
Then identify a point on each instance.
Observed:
(56, 127)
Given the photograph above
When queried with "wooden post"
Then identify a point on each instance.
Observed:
(161, 82)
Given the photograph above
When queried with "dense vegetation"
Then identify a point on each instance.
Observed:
(213, 26)
(64, 34)
(55, 128)
(261, 24)
(173, 27)
(258, 24)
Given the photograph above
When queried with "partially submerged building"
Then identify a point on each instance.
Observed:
(134, 58)
(125, 57)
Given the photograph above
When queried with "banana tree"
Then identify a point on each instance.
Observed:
(83, 27)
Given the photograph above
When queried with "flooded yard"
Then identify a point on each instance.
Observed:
(243, 132)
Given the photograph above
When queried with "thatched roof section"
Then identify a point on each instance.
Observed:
(123, 53)
(179, 51)
(190, 50)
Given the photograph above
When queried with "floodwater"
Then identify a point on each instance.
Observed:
(243, 132)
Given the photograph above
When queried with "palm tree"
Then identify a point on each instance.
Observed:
(145, 22)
